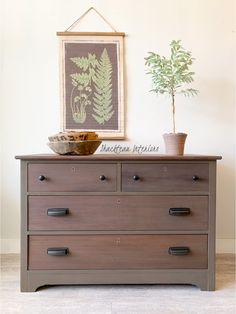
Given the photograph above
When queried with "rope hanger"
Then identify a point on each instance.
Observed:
(84, 14)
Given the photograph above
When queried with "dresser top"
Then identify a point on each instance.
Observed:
(100, 157)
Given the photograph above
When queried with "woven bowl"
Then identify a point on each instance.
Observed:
(74, 147)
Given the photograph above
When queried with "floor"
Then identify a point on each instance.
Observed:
(121, 299)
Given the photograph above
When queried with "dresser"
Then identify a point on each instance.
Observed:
(117, 219)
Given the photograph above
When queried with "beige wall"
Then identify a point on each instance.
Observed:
(30, 93)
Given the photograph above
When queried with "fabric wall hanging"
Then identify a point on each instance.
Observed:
(91, 81)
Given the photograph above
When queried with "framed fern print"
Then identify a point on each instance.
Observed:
(91, 83)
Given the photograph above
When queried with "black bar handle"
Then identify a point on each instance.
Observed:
(55, 212)
(179, 211)
(178, 250)
(57, 251)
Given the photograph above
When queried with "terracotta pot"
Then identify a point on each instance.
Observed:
(174, 143)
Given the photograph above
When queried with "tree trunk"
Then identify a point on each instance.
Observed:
(173, 110)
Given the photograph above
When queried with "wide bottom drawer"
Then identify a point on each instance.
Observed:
(117, 252)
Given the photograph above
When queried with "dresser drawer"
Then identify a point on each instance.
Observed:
(165, 177)
(117, 252)
(71, 177)
(118, 212)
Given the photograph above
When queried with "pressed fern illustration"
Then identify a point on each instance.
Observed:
(102, 106)
(94, 81)
(81, 91)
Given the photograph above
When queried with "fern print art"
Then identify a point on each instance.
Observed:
(82, 89)
(102, 106)
(93, 82)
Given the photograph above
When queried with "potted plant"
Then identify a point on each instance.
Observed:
(170, 76)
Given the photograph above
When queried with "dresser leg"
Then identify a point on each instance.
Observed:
(28, 284)
(208, 286)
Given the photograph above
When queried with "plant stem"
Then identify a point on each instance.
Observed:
(71, 101)
(173, 110)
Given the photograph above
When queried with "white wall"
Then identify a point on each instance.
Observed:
(30, 88)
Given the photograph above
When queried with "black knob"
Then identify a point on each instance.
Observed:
(136, 178)
(195, 178)
(102, 177)
(42, 178)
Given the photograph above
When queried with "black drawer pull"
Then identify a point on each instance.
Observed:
(55, 212)
(41, 178)
(179, 250)
(179, 211)
(195, 178)
(57, 251)
(136, 178)
(102, 177)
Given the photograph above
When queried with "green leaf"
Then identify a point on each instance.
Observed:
(169, 75)
(99, 119)
(81, 93)
(103, 85)
(81, 62)
(82, 78)
(92, 60)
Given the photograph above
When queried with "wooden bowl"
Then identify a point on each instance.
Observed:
(73, 136)
(74, 147)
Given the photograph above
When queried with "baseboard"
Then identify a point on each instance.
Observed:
(10, 246)
(13, 246)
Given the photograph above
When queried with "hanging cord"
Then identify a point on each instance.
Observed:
(84, 14)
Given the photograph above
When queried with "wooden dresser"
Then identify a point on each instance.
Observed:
(117, 219)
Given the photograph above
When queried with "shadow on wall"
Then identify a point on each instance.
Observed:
(216, 99)
(225, 202)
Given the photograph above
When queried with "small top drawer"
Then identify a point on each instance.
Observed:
(179, 177)
(71, 177)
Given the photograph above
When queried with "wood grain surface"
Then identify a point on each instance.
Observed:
(109, 157)
(117, 252)
(165, 177)
(72, 177)
(118, 213)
